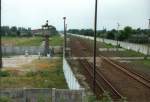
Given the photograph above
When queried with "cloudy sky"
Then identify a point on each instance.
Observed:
(79, 13)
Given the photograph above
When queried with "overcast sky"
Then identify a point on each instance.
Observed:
(79, 13)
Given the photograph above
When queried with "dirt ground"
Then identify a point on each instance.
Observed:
(18, 63)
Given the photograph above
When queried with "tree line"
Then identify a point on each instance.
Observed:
(15, 31)
(26, 32)
(127, 34)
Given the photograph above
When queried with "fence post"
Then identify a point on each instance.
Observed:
(24, 95)
(83, 94)
(53, 94)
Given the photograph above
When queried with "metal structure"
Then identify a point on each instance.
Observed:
(46, 33)
(95, 34)
(65, 37)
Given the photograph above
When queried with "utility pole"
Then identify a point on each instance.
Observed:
(117, 35)
(0, 41)
(148, 49)
(95, 34)
(103, 33)
(65, 39)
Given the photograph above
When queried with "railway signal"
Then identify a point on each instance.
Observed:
(95, 34)
(46, 32)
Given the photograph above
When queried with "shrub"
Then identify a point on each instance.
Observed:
(5, 99)
(4, 74)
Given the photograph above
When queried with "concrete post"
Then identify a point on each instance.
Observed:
(24, 95)
(53, 94)
(83, 94)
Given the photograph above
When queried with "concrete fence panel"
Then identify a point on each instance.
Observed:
(135, 47)
(70, 77)
(43, 95)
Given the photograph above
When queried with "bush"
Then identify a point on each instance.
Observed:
(5, 99)
(4, 74)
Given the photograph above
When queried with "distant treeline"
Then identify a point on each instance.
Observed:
(22, 31)
(127, 34)
(15, 31)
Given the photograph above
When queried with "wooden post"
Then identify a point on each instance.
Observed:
(95, 34)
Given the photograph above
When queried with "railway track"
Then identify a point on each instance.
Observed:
(133, 75)
(102, 83)
(135, 85)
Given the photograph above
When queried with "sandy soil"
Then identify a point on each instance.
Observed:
(16, 62)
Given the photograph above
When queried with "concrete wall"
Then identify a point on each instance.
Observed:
(70, 77)
(43, 95)
(32, 50)
(135, 47)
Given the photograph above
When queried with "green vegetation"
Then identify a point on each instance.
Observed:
(22, 41)
(127, 34)
(104, 98)
(145, 62)
(5, 99)
(108, 45)
(130, 53)
(4, 74)
(45, 74)
(56, 40)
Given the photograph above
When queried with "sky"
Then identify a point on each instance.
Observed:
(79, 13)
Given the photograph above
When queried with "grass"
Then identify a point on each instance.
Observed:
(108, 45)
(145, 62)
(5, 99)
(48, 74)
(56, 40)
(22, 41)
(130, 53)
(31, 41)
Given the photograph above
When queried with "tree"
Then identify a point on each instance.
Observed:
(127, 31)
(13, 31)
(110, 35)
(5, 30)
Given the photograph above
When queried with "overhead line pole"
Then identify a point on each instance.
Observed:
(148, 50)
(0, 41)
(65, 39)
(95, 34)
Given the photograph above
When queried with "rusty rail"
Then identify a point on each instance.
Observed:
(133, 75)
(101, 81)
